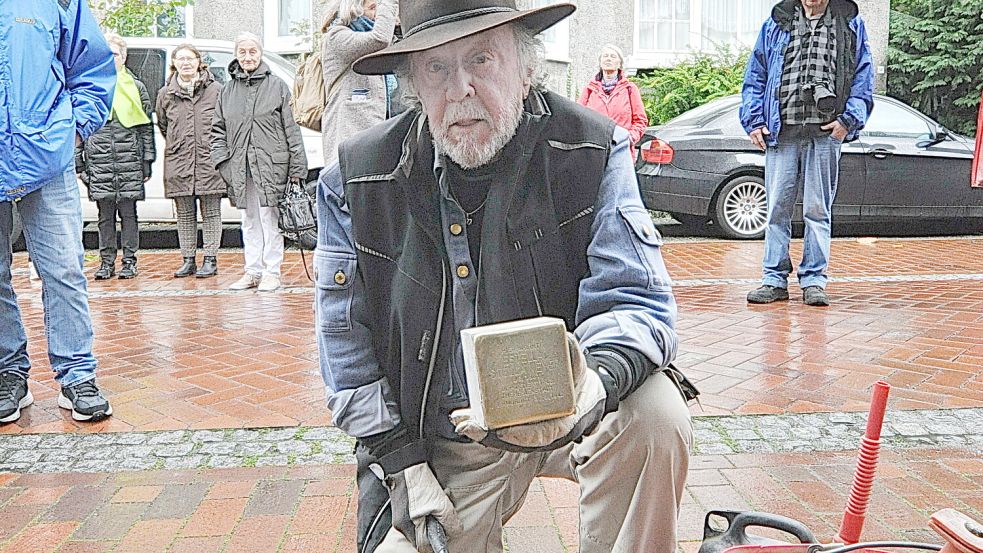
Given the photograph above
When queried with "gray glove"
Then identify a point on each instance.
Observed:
(415, 495)
(591, 399)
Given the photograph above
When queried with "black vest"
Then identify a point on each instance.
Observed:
(534, 239)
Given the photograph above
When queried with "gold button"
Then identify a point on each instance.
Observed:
(340, 277)
(463, 271)
(456, 229)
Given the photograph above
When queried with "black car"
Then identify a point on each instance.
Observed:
(701, 167)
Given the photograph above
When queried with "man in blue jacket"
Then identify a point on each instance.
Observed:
(56, 84)
(808, 88)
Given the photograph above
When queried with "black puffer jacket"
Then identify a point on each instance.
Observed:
(114, 161)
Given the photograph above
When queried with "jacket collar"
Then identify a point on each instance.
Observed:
(238, 73)
(173, 87)
(784, 12)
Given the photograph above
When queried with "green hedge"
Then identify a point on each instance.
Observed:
(668, 92)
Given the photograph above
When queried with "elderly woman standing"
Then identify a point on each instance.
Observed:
(352, 29)
(614, 95)
(115, 162)
(185, 107)
(257, 147)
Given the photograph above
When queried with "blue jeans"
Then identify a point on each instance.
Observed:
(52, 217)
(811, 165)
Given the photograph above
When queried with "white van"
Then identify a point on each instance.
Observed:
(149, 59)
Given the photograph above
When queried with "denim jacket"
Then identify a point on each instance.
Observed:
(628, 286)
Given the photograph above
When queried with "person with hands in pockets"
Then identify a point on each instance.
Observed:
(491, 199)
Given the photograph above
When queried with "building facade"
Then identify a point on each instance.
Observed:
(652, 33)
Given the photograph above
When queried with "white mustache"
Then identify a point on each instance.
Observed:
(456, 113)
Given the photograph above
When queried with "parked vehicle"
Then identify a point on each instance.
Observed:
(701, 167)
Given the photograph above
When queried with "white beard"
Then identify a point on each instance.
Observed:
(467, 153)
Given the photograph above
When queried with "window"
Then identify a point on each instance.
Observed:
(891, 120)
(288, 25)
(732, 23)
(174, 23)
(556, 39)
(663, 25)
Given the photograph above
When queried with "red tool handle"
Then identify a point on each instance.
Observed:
(863, 480)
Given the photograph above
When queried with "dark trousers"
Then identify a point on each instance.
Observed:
(129, 232)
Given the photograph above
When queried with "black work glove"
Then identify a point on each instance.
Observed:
(148, 169)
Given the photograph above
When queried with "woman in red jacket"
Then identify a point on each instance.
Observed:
(614, 95)
(976, 177)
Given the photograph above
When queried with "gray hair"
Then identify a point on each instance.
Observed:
(345, 12)
(616, 50)
(113, 38)
(530, 50)
(246, 36)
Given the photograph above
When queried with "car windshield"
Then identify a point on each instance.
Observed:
(703, 114)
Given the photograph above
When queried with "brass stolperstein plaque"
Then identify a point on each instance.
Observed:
(518, 372)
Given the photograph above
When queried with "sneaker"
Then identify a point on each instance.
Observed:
(106, 270)
(269, 283)
(767, 294)
(814, 296)
(129, 269)
(247, 281)
(14, 396)
(85, 401)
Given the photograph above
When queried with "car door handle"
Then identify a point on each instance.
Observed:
(880, 153)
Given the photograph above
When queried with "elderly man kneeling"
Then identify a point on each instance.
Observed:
(495, 200)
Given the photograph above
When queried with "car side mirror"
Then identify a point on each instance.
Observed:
(940, 136)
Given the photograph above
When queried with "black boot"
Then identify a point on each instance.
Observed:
(209, 267)
(187, 269)
(106, 270)
(129, 269)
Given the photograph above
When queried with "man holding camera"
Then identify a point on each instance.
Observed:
(808, 88)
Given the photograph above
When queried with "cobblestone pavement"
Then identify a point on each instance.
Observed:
(190, 449)
(221, 440)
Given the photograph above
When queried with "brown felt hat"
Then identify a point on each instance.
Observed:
(432, 23)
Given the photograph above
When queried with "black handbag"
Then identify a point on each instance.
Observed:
(298, 215)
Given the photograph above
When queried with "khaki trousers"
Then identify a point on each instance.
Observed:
(631, 471)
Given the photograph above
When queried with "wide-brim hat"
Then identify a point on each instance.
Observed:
(432, 23)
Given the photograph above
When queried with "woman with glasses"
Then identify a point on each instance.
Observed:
(184, 114)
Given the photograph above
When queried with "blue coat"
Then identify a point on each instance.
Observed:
(56, 79)
(760, 105)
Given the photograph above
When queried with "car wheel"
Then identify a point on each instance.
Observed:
(741, 208)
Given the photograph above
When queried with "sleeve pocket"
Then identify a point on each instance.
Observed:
(281, 157)
(647, 242)
(334, 274)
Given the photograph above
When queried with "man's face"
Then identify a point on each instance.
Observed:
(249, 55)
(815, 6)
(472, 92)
(119, 57)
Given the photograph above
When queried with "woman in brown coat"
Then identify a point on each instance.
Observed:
(184, 114)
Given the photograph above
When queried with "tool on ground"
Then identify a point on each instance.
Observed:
(962, 534)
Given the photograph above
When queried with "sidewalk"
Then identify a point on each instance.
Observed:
(221, 437)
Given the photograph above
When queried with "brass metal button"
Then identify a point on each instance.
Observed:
(456, 229)
(340, 278)
(463, 271)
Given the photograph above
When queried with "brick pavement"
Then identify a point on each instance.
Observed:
(183, 357)
(311, 508)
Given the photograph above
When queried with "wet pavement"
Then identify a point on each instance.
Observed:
(221, 439)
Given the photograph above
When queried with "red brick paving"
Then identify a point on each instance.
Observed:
(812, 487)
(250, 360)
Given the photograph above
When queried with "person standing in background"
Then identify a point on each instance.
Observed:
(66, 100)
(976, 177)
(612, 94)
(257, 148)
(115, 162)
(352, 29)
(185, 107)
